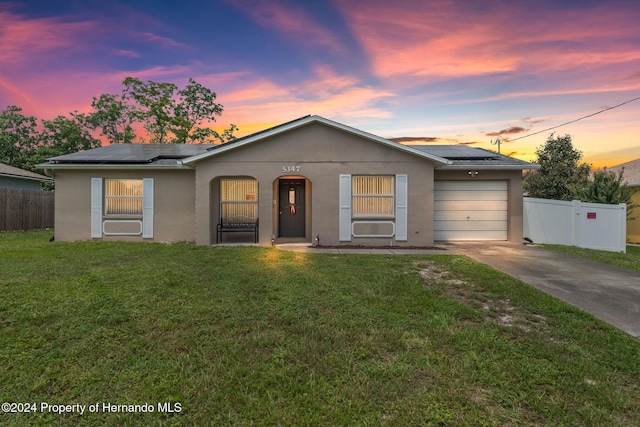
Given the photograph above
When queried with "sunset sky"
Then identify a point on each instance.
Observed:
(447, 72)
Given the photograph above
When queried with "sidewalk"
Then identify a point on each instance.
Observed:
(306, 247)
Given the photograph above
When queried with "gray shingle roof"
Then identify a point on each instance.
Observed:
(457, 152)
(462, 156)
(11, 171)
(133, 153)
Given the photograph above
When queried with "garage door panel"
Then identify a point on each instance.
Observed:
(469, 195)
(470, 215)
(468, 235)
(470, 205)
(465, 225)
(466, 210)
(459, 185)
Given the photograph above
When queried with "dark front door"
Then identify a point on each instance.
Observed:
(291, 208)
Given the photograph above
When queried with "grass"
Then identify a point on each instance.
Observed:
(629, 260)
(258, 336)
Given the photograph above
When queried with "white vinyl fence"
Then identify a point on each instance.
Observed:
(585, 225)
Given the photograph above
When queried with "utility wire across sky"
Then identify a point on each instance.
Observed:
(576, 120)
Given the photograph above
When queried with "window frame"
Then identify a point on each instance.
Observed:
(355, 196)
(139, 212)
(245, 202)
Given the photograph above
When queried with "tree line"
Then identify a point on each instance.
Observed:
(143, 112)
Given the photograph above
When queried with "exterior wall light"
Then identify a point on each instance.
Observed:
(473, 173)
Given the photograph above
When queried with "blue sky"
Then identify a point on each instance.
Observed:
(447, 71)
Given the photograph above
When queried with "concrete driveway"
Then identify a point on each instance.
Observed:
(609, 293)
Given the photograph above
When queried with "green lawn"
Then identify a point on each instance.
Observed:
(258, 336)
(629, 260)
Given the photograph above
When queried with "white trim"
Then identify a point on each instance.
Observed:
(393, 227)
(470, 167)
(28, 178)
(305, 121)
(96, 208)
(120, 221)
(402, 201)
(147, 208)
(345, 209)
(112, 166)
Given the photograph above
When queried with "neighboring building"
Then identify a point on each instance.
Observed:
(631, 176)
(306, 178)
(19, 178)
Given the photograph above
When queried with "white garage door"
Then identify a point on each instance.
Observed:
(470, 210)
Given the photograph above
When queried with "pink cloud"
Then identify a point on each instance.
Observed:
(9, 91)
(604, 88)
(23, 39)
(433, 40)
(256, 103)
(291, 21)
(126, 53)
(158, 39)
(436, 40)
(258, 91)
(47, 95)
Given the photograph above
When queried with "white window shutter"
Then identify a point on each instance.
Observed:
(401, 207)
(96, 208)
(147, 208)
(345, 208)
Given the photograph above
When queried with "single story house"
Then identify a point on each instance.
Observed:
(631, 177)
(13, 177)
(310, 180)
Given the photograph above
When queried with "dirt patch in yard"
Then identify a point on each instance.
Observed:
(499, 311)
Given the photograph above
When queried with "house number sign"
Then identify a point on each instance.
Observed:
(289, 169)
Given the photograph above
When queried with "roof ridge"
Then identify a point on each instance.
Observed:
(251, 135)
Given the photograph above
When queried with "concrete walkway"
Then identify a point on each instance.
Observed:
(609, 293)
(306, 247)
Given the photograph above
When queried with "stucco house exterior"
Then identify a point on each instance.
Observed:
(631, 176)
(307, 179)
(13, 177)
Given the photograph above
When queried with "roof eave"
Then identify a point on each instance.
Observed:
(489, 167)
(43, 179)
(104, 166)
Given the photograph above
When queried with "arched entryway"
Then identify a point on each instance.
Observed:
(234, 209)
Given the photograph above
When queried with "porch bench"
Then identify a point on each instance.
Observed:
(236, 226)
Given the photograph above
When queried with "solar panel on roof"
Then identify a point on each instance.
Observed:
(457, 152)
(133, 153)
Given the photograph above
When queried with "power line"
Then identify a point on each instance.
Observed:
(576, 120)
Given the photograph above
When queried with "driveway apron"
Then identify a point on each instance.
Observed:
(609, 293)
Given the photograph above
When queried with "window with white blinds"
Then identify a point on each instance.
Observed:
(239, 200)
(123, 196)
(372, 196)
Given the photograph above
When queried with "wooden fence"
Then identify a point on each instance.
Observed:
(25, 209)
